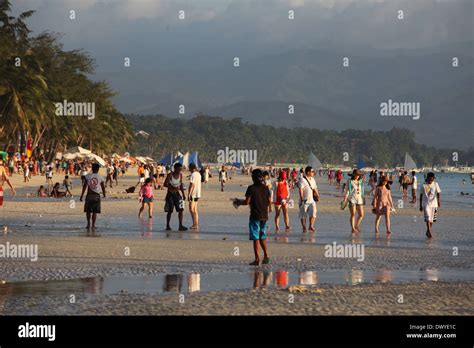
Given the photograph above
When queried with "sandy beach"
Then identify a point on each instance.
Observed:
(431, 277)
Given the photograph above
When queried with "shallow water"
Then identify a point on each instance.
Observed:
(195, 282)
(408, 230)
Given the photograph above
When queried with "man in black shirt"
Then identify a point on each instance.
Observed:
(259, 198)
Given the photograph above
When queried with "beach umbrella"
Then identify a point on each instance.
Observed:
(79, 149)
(141, 159)
(72, 156)
(95, 158)
(125, 159)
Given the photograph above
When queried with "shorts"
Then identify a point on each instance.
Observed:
(430, 214)
(405, 186)
(155, 176)
(173, 200)
(92, 204)
(257, 229)
(1, 196)
(142, 180)
(147, 200)
(355, 205)
(162, 175)
(280, 201)
(194, 199)
(308, 209)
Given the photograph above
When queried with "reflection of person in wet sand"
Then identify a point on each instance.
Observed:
(262, 279)
(173, 283)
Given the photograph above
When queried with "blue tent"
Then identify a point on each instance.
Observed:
(194, 158)
(167, 160)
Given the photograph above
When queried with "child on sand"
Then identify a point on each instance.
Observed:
(259, 198)
(430, 202)
(41, 192)
(382, 205)
(146, 197)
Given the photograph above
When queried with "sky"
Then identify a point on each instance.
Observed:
(168, 53)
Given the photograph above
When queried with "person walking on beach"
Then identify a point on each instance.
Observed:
(146, 197)
(355, 197)
(382, 205)
(309, 195)
(110, 173)
(259, 199)
(67, 183)
(174, 184)
(94, 183)
(115, 174)
(405, 182)
(4, 178)
(222, 177)
(49, 177)
(281, 194)
(430, 202)
(414, 186)
(194, 194)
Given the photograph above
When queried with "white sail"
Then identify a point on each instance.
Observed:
(314, 162)
(410, 164)
(186, 160)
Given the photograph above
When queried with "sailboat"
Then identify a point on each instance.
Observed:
(314, 162)
(410, 164)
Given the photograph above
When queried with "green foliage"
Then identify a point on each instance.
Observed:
(47, 75)
(210, 134)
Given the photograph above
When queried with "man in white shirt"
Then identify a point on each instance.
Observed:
(308, 192)
(414, 186)
(94, 183)
(194, 195)
(430, 202)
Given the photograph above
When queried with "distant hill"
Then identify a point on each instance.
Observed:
(326, 95)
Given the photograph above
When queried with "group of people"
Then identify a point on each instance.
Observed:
(149, 180)
(262, 195)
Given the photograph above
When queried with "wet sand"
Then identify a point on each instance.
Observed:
(66, 253)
